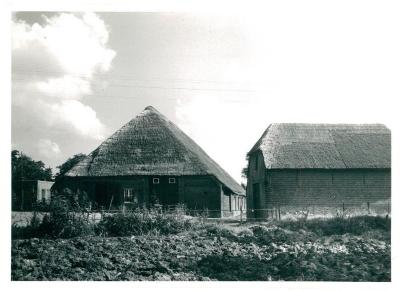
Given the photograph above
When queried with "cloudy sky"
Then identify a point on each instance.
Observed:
(78, 77)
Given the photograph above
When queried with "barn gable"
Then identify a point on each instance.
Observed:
(325, 146)
(150, 144)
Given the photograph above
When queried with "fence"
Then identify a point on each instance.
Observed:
(278, 212)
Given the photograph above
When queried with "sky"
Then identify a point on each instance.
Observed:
(222, 78)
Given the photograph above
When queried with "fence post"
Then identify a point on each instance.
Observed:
(368, 207)
(241, 214)
(343, 208)
(388, 208)
(279, 212)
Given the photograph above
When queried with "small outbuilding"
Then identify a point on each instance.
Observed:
(151, 161)
(27, 193)
(319, 165)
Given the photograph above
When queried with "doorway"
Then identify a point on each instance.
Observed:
(164, 190)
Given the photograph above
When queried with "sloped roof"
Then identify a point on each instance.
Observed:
(325, 146)
(150, 144)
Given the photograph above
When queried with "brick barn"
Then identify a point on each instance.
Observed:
(319, 165)
(151, 161)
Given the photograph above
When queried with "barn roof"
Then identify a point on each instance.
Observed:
(325, 146)
(150, 144)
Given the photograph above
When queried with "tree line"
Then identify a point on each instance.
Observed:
(25, 168)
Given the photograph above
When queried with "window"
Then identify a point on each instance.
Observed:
(129, 196)
(171, 180)
(156, 181)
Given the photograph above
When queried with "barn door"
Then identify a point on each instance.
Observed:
(164, 190)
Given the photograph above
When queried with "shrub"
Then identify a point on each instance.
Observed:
(142, 221)
(340, 225)
(220, 230)
(66, 218)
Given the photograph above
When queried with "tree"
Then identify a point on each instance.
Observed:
(68, 164)
(245, 170)
(24, 168)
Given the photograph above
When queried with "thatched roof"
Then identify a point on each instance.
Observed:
(325, 146)
(150, 144)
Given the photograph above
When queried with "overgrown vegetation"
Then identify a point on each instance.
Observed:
(340, 225)
(150, 245)
(69, 217)
(267, 251)
(66, 217)
(143, 221)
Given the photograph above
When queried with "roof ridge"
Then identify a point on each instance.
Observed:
(256, 146)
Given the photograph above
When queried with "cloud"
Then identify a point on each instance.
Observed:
(48, 148)
(66, 87)
(53, 70)
(76, 42)
(80, 117)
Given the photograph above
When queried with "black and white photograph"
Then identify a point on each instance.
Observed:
(243, 142)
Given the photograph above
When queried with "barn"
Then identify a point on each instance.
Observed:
(319, 165)
(151, 161)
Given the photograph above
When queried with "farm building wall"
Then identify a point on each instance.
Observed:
(269, 188)
(196, 192)
(255, 184)
(43, 191)
(28, 192)
(321, 187)
(201, 193)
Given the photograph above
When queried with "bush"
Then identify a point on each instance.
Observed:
(220, 230)
(340, 225)
(66, 218)
(142, 221)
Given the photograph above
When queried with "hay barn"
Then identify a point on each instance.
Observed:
(319, 165)
(151, 161)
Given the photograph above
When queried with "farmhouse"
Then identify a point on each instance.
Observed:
(151, 161)
(318, 165)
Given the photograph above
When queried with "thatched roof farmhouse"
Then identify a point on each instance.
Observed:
(319, 164)
(150, 160)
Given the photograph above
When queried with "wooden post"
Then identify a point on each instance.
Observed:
(368, 207)
(343, 208)
(111, 201)
(388, 208)
(241, 214)
(279, 212)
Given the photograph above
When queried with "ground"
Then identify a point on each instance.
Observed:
(210, 252)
